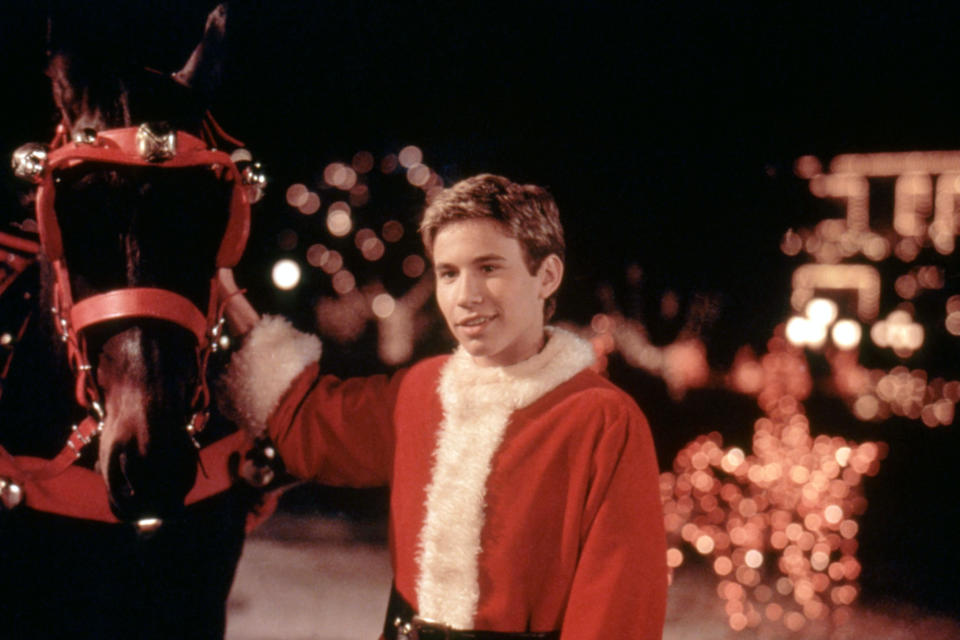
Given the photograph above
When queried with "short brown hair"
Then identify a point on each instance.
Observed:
(525, 211)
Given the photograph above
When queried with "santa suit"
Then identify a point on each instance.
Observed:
(523, 498)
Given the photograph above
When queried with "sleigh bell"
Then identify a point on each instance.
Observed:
(259, 467)
(11, 494)
(156, 141)
(29, 161)
(255, 178)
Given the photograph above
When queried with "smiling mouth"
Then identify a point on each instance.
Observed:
(475, 322)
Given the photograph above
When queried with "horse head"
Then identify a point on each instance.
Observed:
(137, 213)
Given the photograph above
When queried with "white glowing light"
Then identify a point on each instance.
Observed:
(833, 514)
(797, 330)
(804, 332)
(704, 544)
(823, 311)
(899, 332)
(846, 333)
(842, 455)
(285, 274)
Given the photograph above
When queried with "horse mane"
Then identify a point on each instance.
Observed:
(112, 68)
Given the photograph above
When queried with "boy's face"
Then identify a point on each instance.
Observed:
(490, 300)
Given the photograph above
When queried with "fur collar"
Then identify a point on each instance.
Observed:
(477, 404)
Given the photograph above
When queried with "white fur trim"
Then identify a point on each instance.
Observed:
(273, 354)
(477, 404)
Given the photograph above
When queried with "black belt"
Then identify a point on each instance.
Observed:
(402, 623)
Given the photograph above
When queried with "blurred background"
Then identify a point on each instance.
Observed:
(751, 248)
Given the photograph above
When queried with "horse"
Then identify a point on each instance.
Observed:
(120, 510)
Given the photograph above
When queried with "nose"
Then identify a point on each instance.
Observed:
(152, 485)
(469, 290)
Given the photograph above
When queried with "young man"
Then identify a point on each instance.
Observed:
(524, 486)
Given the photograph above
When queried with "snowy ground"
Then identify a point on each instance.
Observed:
(309, 578)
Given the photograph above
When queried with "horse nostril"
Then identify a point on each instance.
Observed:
(120, 483)
(152, 485)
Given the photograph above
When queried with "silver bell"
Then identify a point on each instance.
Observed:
(29, 161)
(85, 136)
(256, 475)
(11, 495)
(255, 178)
(156, 141)
(258, 468)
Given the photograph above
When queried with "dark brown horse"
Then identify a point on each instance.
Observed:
(122, 335)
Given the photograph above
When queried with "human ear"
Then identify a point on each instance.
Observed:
(550, 274)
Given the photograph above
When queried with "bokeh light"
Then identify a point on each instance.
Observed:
(339, 222)
(389, 163)
(418, 175)
(343, 282)
(363, 162)
(316, 255)
(297, 194)
(310, 205)
(373, 249)
(392, 231)
(339, 175)
(287, 239)
(410, 156)
(413, 266)
(285, 274)
(383, 305)
(846, 333)
(822, 311)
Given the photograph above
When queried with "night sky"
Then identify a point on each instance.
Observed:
(666, 131)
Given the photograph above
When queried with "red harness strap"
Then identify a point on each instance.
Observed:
(140, 302)
(56, 486)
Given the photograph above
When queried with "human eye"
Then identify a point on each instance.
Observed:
(446, 273)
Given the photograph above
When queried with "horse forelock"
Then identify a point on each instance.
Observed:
(86, 97)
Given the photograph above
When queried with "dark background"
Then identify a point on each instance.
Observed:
(666, 131)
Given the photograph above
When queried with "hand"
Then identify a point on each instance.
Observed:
(240, 314)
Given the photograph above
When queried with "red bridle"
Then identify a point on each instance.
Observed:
(143, 146)
(55, 485)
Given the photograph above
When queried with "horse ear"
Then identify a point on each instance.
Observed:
(202, 71)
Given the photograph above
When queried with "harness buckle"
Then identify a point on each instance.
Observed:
(156, 141)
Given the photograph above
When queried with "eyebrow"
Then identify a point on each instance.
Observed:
(490, 257)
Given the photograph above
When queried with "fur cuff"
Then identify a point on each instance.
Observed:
(273, 354)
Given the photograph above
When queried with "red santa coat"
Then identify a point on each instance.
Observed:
(522, 498)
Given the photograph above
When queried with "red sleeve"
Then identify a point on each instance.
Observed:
(620, 586)
(337, 432)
